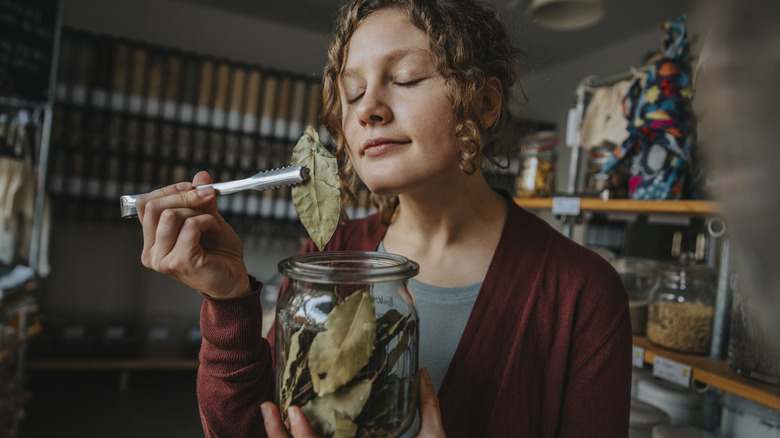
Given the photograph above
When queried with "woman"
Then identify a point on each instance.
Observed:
(524, 332)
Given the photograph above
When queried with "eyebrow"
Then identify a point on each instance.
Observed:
(393, 57)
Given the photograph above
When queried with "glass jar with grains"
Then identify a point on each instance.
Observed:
(682, 306)
(536, 175)
(346, 342)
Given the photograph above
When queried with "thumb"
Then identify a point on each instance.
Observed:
(203, 178)
(430, 414)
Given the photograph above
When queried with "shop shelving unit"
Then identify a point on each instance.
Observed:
(695, 208)
(715, 373)
(704, 370)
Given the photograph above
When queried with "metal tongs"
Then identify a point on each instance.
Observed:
(268, 179)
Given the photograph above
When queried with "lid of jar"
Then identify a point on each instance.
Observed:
(634, 265)
(687, 270)
(645, 415)
(739, 403)
(669, 393)
(539, 141)
(339, 267)
(679, 431)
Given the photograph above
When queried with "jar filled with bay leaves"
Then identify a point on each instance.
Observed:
(346, 342)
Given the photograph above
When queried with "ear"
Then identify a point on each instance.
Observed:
(491, 102)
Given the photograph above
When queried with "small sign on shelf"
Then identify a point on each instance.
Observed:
(566, 206)
(672, 371)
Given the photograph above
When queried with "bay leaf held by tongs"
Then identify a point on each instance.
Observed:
(317, 200)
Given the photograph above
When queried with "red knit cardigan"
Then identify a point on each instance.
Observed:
(546, 351)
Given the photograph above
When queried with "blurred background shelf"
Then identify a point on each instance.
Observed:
(715, 373)
(699, 208)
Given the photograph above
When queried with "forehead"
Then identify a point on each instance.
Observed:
(385, 35)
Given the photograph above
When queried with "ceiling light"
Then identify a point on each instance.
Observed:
(566, 14)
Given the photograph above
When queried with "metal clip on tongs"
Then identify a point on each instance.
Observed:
(262, 181)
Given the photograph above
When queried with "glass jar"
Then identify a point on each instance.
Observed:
(754, 348)
(639, 277)
(612, 185)
(346, 342)
(682, 306)
(536, 173)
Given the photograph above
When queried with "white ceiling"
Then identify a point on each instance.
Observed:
(623, 19)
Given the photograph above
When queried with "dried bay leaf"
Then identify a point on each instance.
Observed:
(338, 354)
(316, 200)
(296, 365)
(334, 414)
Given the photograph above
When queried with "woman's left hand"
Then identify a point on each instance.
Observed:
(274, 427)
(430, 417)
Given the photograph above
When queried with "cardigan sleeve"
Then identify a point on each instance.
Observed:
(236, 372)
(598, 383)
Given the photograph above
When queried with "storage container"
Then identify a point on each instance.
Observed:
(639, 277)
(683, 405)
(675, 431)
(346, 329)
(536, 175)
(637, 375)
(743, 418)
(612, 185)
(643, 418)
(754, 346)
(681, 308)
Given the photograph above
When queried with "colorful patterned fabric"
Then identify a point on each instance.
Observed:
(661, 140)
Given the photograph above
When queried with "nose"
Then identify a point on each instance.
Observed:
(374, 107)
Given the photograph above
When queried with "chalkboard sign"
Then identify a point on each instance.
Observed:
(27, 30)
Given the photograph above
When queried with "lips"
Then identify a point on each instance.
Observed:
(380, 145)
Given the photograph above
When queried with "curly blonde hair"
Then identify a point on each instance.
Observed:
(470, 45)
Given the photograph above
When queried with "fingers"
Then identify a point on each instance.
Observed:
(164, 216)
(273, 421)
(430, 414)
(202, 178)
(274, 427)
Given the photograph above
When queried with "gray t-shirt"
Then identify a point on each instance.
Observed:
(442, 313)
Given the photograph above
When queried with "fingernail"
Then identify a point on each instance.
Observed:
(293, 415)
(426, 377)
(183, 186)
(205, 192)
(266, 410)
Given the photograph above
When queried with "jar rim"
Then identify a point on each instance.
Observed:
(336, 267)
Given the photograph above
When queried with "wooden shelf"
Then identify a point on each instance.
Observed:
(698, 208)
(715, 373)
(140, 364)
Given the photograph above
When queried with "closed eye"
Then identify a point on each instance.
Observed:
(409, 83)
(354, 99)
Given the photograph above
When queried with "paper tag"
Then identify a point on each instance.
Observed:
(250, 123)
(135, 103)
(566, 206)
(186, 112)
(638, 359)
(159, 334)
(672, 371)
(99, 98)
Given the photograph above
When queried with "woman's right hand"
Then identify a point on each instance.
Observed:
(187, 239)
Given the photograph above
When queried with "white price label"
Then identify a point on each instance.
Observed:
(672, 371)
(566, 206)
(638, 359)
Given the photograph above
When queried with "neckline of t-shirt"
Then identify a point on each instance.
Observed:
(431, 293)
